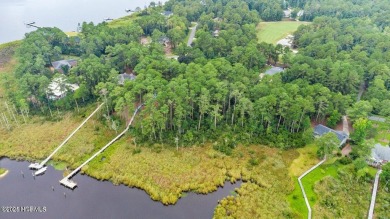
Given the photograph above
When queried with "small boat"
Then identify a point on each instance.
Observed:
(35, 166)
(40, 171)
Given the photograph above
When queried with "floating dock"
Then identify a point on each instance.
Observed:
(40, 171)
(68, 183)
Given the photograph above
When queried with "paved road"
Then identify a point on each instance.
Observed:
(192, 35)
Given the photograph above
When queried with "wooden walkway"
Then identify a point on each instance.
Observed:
(373, 196)
(303, 189)
(40, 165)
(71, 184)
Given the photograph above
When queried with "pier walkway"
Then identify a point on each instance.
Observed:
(373, 196)
(38, 166)
(71, 184)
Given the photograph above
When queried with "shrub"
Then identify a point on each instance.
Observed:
(345, 160)
(253, 162)
(136, 151)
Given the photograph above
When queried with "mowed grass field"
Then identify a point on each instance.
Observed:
(272, 32)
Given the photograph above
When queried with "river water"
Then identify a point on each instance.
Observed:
(92, 199)
(64, 14)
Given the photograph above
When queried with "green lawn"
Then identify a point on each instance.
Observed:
(297, 203)
(327, 169)
(307, 158)
(272, 32)
(71, 33)
(380, 132)
(296, 200)
(123, 21)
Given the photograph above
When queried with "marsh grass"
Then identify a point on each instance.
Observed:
(382, 205)
(2, 171)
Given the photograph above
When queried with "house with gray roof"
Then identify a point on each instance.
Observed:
(272, 71)
(64, 65)
(380, 154)
(320, 130)
(125, 77)
(167, 13)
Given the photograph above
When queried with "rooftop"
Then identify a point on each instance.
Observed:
(320, 130)
(274, 70)
(381, 153)
(125, 77)
(167, 13)
(58, 64)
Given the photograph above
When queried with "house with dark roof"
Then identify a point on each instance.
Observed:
(379, 155)
(63, 66)
(125, 77)
(164, 40)
(321, 130)
(167, 13)
(272, 71)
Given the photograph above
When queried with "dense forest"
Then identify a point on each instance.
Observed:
(213, 90)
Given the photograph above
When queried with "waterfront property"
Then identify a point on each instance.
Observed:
(379, 155)
(321, 130)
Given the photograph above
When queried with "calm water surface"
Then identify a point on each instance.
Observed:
(94, 199)
(64, 14)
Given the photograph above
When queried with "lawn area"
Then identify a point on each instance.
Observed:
(380, 131)
(123, 21)
(72, 33)
(272, 32)
(307, 158)
(329, 168)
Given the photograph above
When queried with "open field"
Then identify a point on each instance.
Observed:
(123, 21)
(272, 32)
(72, 33)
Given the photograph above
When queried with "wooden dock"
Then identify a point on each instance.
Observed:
(71, 184)
(373, 196)
(40, 165)
(68, 183)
